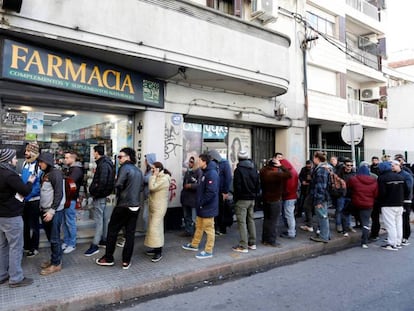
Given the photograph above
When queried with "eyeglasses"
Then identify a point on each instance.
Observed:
(349, 165)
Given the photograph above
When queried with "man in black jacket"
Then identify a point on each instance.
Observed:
(12, 193)
(392, 189)
(188, 196)
(246, 187)
(101, 186)
(128, 187)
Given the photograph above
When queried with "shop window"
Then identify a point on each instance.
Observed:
(228, 141)
(59, 130)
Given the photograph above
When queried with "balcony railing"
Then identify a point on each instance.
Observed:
(363, 57)
(364, 7)
(357, 107)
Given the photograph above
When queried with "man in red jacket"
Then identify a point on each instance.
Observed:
(272, 178)
(289, 197)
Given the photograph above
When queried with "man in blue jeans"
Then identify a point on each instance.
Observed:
(75, 172)
(52, 201)
(320, 196)
(101, 186)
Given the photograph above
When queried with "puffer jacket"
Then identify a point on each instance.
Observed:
(246, 182)
(364, 190)
(10, 184)
(208, 192)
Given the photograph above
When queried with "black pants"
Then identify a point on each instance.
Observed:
(31, 218)
(121, 218)
(375, 217)
(271, 213)
(406, 220)
(364, 215)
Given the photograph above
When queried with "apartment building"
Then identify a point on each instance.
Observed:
(344, 75)
(174, 78)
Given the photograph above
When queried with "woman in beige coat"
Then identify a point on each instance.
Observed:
(159, 185)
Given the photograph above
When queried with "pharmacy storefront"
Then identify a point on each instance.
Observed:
(69, 102)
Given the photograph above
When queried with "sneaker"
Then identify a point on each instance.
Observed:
(45, 264)
(69, 249)
(126, 265)
(318, 239)
(346, 234)
(350, 229)
(286, 236)
(218, 233)
(32, 253)
(150, 252)
(253, 246)
(306, 228)
(405, 242)
(275, 244)
(102, 244)
(104, 262)
(4, 280)
(204, 255)
(398, 246)
(120, 242)
(92, 250)
(64, 245)
(364, 246)
(51, 269)
(339, 229)
(24, 282)
(389, 247)
(157, 257)
(374, 238)
(189, 247)
(240, 249)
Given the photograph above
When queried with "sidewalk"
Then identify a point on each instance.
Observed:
(82, 284)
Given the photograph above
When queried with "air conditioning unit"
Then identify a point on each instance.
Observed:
(264, 10)
(367, 40)
(370, 93)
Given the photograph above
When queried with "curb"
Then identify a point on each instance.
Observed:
(187, 281)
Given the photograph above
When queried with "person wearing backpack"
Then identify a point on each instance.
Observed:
(102, 185)
(75, 172)
(52, 201)
(343, 220)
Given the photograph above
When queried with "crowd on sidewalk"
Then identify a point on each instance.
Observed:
(211, 196)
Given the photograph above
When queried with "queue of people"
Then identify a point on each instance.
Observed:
(142, 201)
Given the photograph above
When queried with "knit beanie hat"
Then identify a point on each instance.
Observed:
(6, 155)
(33, 148)
(243, 155)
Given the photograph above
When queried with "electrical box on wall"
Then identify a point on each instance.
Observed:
(370, 93)
(264, 10)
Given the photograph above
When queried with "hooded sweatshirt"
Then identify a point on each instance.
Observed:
(291, 184)
(151, 158)
(364, 189)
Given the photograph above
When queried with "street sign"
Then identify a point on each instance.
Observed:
(352, 133)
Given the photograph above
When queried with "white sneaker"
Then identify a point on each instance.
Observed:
(64, 246)
(69, 249)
